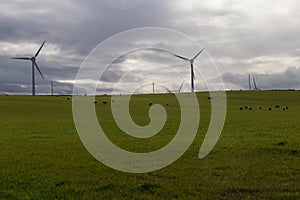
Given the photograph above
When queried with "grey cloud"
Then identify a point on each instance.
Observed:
(16, 76)
(288, 79)
(230, 30)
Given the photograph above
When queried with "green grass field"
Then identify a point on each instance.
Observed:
(257, 156)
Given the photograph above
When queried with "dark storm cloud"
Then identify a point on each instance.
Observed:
(242, 36)
(16, 76)
(288, 79)
(72, 24)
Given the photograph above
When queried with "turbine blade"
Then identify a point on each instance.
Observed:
(37, 53)
(183, 58)
(167, 89)
(181, 86)
(37, 67)
(255, 83)
(198, 54)
(21, 58)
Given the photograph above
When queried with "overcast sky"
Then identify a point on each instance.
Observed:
(243, 37)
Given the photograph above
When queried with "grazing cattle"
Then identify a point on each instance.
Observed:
(286, 107)
(68, 98)
(241, 108)
(270, 108)
(281, 143)
(95, 102)
(283, 109)
(150, 104)
(104, 102)
(260, 107)
(250, 108)
(277, 106)
(246, 107)
(294, 151)
(168, 104)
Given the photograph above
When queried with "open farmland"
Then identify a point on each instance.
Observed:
(257, 156)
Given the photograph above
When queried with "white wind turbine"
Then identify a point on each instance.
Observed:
(192, 67)
(34, 65)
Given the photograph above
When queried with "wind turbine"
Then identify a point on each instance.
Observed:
(34, 65)
(192, 66)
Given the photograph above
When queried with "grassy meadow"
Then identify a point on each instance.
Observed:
(257, 156)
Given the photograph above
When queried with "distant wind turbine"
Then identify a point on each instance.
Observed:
(34, 65)
(192, 66)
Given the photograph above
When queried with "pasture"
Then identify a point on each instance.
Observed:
(257, 156)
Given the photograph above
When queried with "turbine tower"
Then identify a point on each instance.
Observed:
(51, 82)
(153, 87)
(192, 66)
(34, 65)
(249, 82)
